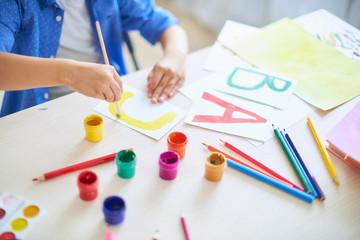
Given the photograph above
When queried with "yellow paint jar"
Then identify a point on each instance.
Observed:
(214, 166)
(94, 128)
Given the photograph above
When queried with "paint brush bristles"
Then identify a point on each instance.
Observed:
(106, 59)
(118, 114)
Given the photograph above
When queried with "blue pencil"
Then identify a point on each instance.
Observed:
(320, 194)
(295, 192)
(297, 161)
(292, 160)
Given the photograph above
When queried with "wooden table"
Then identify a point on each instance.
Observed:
(38, 140)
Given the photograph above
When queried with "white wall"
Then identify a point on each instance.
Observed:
(213, 13)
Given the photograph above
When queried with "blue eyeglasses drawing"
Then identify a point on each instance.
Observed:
(267, 79)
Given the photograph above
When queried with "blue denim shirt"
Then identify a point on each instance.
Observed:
(33, 28)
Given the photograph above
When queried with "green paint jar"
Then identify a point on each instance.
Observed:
(126, 162)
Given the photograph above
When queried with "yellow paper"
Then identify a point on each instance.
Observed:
(326, 77)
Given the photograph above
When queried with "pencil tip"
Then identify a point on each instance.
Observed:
(222, 141)
(204, 144)
(34, 179)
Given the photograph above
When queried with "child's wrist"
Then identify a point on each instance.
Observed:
(65, 72)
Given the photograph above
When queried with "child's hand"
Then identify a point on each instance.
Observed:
(166, 78)
(95, 80)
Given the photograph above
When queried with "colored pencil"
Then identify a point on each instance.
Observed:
(324, 153)
(295, 192)
(292, 160)
(106, 59)
(320, 194)
(306, 176)
(72, 168)
(213, 149)
(257, 163)
(183, 223)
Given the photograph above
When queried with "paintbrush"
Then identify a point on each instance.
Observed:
(103, 49)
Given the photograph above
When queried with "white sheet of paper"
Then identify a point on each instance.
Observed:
(138, 113)
(222, 59)
(257, 85)
(233, 115)
(332, 30)
(193, 90)
(296, 109)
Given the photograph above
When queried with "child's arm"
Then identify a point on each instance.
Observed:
(168, 75)
(94, 80)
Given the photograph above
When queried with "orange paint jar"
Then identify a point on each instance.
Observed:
(214, 166)
(177, 142)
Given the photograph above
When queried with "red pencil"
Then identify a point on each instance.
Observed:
(211, 148)
(72, 168)
(259, 164)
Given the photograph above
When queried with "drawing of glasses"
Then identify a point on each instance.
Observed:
(259, 79)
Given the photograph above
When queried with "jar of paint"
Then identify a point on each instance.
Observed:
(214, 166)
(114, 210)
(88, 184)
(177, 142)
(126, 162)
(168, 165)
(94, 128)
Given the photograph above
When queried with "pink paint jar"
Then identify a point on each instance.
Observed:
(88, 184)
(177, 142)
(168, 165)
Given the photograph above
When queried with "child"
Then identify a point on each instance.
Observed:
(33, 32)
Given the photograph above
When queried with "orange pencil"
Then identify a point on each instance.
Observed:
(259, 164)
(213, 149)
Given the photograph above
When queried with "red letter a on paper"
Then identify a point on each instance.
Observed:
(227, 116)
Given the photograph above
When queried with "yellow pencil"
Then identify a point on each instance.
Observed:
(106, 59)
(324, 153)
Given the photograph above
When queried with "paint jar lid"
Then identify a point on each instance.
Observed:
(169, 159)
(93, 121)
(126, 156)
(177, 138)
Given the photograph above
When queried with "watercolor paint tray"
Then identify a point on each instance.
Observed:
(17, 216)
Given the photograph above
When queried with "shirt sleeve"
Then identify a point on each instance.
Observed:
(9, 24)
(145, 16)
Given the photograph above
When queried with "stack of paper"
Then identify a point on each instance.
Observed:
(290, 57)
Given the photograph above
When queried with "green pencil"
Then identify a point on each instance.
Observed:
(292, 160)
